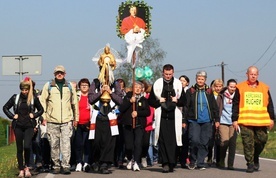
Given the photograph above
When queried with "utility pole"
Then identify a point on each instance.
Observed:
(222, 71)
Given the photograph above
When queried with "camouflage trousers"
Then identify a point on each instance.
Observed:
(254, 140)
(59, 136)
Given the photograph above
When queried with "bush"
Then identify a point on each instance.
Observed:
(3, 131)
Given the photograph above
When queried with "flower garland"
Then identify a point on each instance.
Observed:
(139, 4)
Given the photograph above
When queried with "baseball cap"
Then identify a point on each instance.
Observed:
(59, 68)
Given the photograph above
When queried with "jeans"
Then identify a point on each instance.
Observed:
(199, 136)
(153, 150)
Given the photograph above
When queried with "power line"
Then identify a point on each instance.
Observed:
(269, 46)
(265, 51)
(196, 68)
(234, 72)
(268, 60)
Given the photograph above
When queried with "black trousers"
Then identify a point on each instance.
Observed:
(23, 138)
(133, 142)
(146, 143)
(46, 151)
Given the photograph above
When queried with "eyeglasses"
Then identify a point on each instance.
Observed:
(84, 85)
(59, 72)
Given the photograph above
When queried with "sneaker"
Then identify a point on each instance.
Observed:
(27, 172)
(78, 167)
(250, 168)
(191, 166)
(144, 162)
(66, 171)
(201, 168)
(86, 167)
(129, 164)
(256, 166)
(136, 167)
(21, 174)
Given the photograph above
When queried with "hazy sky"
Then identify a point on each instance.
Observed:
(195, 34)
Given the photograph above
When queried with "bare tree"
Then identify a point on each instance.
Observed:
(152, 55)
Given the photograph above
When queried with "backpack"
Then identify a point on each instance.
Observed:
(17, 100)
(51, 84)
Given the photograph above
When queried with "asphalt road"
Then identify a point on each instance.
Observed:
(267, 169)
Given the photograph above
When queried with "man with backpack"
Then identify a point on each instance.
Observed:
(60, 103)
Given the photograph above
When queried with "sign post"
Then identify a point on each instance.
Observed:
(20, 65)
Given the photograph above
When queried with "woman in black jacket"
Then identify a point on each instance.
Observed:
(134, 129)
(26, 107)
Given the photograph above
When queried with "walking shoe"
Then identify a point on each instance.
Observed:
(95, 167)
(73, 167)
(201, 168)
(144, 162)
(86, 167)
(21, 174)
(104, 169)
(120, 164)
(129, 164)
(78, 167)
(256, 166)
(191, 166)
(56, 171)
(250, 168)
(66, 171)
(166, 168)
(136, 167)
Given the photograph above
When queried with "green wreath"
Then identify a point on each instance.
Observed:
(125, 6)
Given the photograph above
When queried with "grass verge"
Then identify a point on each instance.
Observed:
(270, 147)
(8, 162)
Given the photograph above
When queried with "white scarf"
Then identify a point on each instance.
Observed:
(112, 119)
(157, 88)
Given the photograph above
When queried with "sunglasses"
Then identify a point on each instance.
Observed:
(59, 72)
